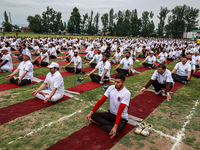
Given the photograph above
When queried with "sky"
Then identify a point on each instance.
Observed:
(21, 9)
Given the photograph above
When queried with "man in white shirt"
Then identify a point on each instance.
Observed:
(127, 65)
(90, 54)
(162, 78)
(191, 62)
(117, 57)
(163, 57)
(55, 84)
(25, 70)
(183, 70)
(196, 58)
(115, 119)
(44, 61)
(151, 61)
(36, 50)
(77, 64)
(97, 57)
(52, 51)
(7, 65)
(104, 71)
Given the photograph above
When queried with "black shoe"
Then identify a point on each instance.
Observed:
(184, 82)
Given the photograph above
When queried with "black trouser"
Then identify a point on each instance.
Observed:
(42, 63)
(146, 65)
(107, 121)
(141, 56)
(71, 69)
(170, 58)
(123, 71)
(157, 86)
(93, 65)
(97, 78)
(23, 82)
(178, 78)
(52, 57)
(68, 59)
(58, 52)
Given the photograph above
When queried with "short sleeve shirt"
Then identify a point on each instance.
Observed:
(77, 59)
(126, 63)
(28, 66)
(182, 70)
(162, 78)
(150, 59)
(9, 58)
(102, 67)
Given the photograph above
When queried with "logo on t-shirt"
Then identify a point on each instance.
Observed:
(49, 85)
(24, 68)
(186, 69)
(164, 81)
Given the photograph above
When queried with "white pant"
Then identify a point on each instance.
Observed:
(6, 68)
(54, 98)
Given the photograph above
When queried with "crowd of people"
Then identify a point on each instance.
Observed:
(98, 52)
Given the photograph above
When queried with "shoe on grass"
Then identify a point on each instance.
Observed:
(79, 80)
(147, 130)
(184, 82)
(141, 126)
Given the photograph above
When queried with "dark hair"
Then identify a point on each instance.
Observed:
(57, 68)
(129, 53)
(185, 57)
(120, 76)
(106, 55)
(162, 66)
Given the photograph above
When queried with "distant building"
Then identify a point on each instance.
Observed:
(1, 29)
(25, 29)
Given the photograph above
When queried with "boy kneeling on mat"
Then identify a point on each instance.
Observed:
(54, 81)
(115, 119)
(25, 70)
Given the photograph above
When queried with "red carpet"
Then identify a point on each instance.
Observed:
(7, 86)
(20, 109)
(90, 137)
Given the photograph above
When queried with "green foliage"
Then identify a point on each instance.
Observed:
(147, 24)
(162, 16)
(104, 20)
(74, 22)
(6, 24)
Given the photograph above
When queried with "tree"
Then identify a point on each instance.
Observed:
(147, 24)
(90, 29)
(35, 23)
(162, 16)
(119, 24)
(126, 23)
(135, 24)
(183, 18)
(104, 19)
(6, 24)
(96, 23)
(83, 23)
(74, 23)
(111, 21)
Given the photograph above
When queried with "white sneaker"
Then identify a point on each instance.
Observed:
(139, 129)
(147, 130)
(137, 60)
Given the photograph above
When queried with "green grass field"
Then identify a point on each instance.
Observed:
(41, 129)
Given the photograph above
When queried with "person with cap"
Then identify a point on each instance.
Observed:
(183, 71)
(77, 64)
(127, 65)
(97, 57)
(151, 61)
(52, 51)
(104, 67)
(115, 119)
(90, 54)
(24, 50)
(162, 78)
(55, 84)
(7, 65)
(117, 57)
(25, 70)
(44, 58)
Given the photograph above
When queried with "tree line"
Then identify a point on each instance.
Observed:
(122, 23)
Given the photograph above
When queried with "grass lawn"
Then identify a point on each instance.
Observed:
(168, 118)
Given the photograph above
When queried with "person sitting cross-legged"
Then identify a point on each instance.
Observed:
(115, 119)
(151, 61)
(6, 60)
(104, 71)
(54, 83)
(44, 58)
(183, 71)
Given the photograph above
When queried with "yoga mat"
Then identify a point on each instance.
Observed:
(23, 108)
(7, 86)
(90, 137)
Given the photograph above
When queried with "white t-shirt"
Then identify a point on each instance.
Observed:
(47, 57)
(118, 97)
(52, 50)
(150, 59)
(75, 60)
(126, 63)
(97, 57)
(182, 70)
(103, 66)
(37, 49)
(192, 63)
(26, 66)
(162, 56)
(9, 63)
(196, 59)
(162, 78)
(55, 80)
(118, 55)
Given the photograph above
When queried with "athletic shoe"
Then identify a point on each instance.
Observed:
(79, 80)
(82, 73)
(101, 82)
(159, 92)
(105, 88)
(147, 130)
(184, 82)
(137, 60)
(139, 129)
